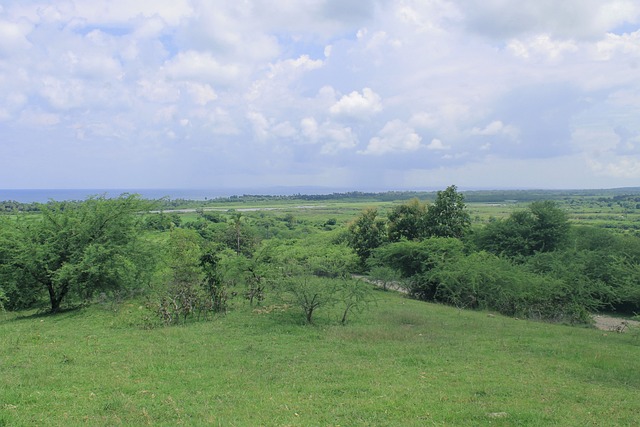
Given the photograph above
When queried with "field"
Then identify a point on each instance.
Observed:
(403, 362)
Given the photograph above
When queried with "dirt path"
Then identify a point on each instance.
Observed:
(614, 324)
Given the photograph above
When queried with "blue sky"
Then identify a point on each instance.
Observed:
(352, 94)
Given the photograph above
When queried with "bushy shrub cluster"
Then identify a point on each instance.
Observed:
(532, 264)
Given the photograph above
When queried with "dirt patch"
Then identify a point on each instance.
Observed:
(614, 324)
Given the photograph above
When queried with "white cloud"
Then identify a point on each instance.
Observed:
(395, 137)
(13, 36)
(39, 118)
(303, 63)
(423, 120)
(626, 167)
(192, 65)
(202, 94)
(437, 145)
(157, 90)
(496, 127)
(295, 88)
(542, 46)
(612, 44)
(332, 137)
(358, 106)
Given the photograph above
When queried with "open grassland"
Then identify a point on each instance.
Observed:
(403, 363)
(621, 217)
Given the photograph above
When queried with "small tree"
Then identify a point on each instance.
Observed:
(447, 216)
(407, 221)
(308, 293)
(355, 297)
(542, 227)
(366, 233)
(76, 249)
(183, 295)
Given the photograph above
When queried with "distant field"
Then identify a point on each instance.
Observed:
(404, 363)
(580, 211)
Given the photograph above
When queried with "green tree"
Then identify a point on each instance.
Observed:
(366, 233)
(76, 249)
(185, 294)
(308, 293)
(239, 235)
(542, 227)
(415, 261)
(407, 221)
(447, 216)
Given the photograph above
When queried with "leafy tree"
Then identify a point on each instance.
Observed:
(416, 260)
(407, 221)
(355, 297)
(76, 249)
(308, 293)
(551, 226)
(184, 295)
(366, 233)
(447, 216)
(240, 236)
(162, 221)
(542, 227)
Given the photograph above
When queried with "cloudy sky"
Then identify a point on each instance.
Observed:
(351, 94)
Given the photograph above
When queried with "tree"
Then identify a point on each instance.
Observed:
(76, 249)
(447, 216)
(542, 227)
(551, 226)
(415, 261)
(407, 221)
(308, 293)
(366, 233)
(240, 236)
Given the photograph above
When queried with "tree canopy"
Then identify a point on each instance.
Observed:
(74, 250)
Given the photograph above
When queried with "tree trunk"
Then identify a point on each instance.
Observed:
(55, 298)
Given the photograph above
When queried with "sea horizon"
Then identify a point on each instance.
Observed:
(62, 194)
(44, 195)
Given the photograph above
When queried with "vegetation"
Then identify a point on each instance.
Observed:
(74, 250)
(294, 320)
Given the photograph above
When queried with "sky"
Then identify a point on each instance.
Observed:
(349, 94)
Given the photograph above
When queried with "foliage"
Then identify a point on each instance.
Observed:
(413, 258)
(447, 216)
(185, 295)
(239, 236)
(366, 233)
(482, 280)
(407, 221)
(383, 276)
(542, 227)
(308, 293)
(75, 250)
(354, 296)
(162, 221)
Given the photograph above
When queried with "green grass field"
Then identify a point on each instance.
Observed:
(402, 363)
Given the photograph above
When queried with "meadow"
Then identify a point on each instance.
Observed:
(403, 362)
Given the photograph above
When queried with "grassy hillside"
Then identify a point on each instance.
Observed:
(403, 362)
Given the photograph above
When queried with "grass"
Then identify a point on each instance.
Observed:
(402, 363)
